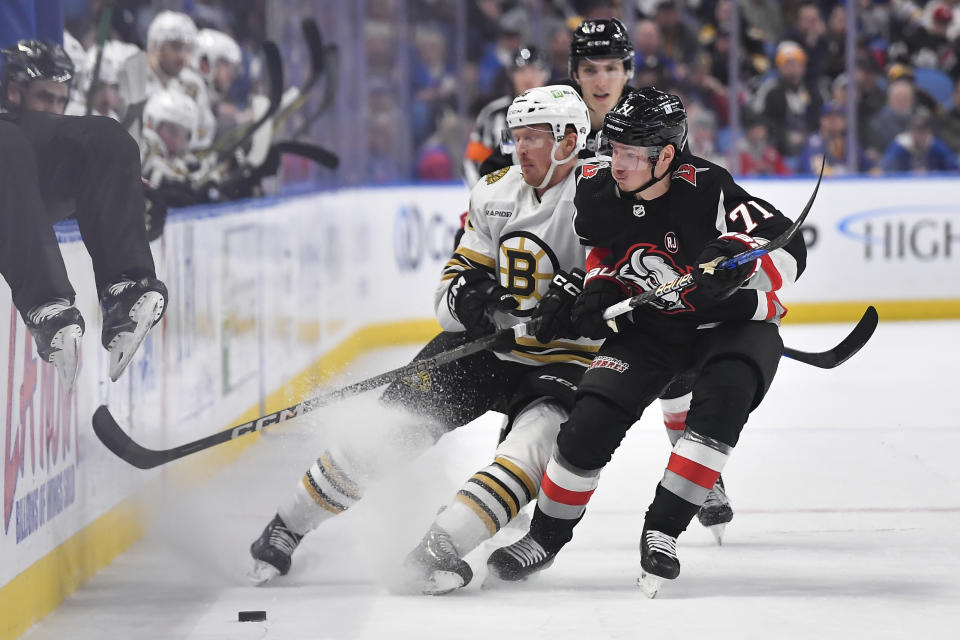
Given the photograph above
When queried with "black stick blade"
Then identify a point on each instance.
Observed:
(314, 41)
(847, 348)
(117, 441)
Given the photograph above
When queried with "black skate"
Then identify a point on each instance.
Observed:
(56, 327)
(272, 550)
(518, 561)
(130, 309)
(434, 567)
(658, 561)
(716, 511)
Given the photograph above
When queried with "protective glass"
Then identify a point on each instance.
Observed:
(533, 138)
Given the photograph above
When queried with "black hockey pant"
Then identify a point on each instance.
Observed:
(734, 365)
(89, 164)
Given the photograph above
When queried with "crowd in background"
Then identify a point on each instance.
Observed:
(416, 73)
(793, 83)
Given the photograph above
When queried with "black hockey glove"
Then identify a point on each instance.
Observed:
(587, 314)
(473, 296)
(722, 283)
(555, 307)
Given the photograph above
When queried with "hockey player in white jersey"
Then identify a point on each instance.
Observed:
(517, 240)
(171, 41)
(217, 59)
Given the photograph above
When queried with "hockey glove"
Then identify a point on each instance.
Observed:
(555, 307)
(722, 283)
(587, 313)
(473, 296)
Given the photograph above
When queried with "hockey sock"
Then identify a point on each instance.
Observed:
(695, 464)
(324, 491)
(564, 493)
(493, 496)
(675, 415)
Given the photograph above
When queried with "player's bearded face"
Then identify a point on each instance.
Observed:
(534, 145)
(630, 165)
(601, 82)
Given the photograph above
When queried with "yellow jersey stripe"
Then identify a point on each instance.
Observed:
(519, 474)
(477, 509)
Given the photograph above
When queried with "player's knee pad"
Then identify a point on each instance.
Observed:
(533, 436)
(594, 430)
(723, 398)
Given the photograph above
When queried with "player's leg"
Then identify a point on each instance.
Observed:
(428, 405)
(739, 360)
(94, 162)
(496, 494)
(30, 258)
(620, 383)
(716, 511)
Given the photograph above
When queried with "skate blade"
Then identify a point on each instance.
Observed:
(718, 530)
(66, 357)
(493, 581)
(441, 582)
(262, 573)
(145, 312)
(650, 584)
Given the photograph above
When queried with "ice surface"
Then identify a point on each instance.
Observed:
(845, 486)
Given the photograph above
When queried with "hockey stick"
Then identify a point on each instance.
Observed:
(122, 445)
(117, 441)
(315, 48)
(744, 257)
(847, 348)
(332, 61)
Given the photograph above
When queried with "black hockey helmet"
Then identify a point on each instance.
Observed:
(526, 56)
(648, 118)
(31, 60)
(597, 39)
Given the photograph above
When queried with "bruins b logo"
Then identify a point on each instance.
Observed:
(527, 266)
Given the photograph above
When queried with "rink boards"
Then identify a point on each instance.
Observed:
(269, 298)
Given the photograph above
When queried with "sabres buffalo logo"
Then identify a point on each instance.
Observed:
(646, 268)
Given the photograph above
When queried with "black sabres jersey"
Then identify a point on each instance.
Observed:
(646, 243)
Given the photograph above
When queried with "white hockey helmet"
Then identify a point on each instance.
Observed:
(171, 26)
(557, 105)
(170, 105)
(215, 45)
(115, 53)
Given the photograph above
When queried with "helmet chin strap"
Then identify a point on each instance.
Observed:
(554, 163)
(649, 183)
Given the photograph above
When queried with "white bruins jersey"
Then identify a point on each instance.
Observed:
(522, 241)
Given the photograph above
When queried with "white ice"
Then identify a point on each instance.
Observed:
(845, 485)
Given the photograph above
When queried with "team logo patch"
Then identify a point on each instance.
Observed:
(670, 242)
(647, 267)
(421, 380)
(687, 172)
(590, 170)
(639, 211)
(496, 175)
(606, 362)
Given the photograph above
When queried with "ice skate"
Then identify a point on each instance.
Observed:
(130, 309)
(658, 561)
(271, 552)
(434, 567)
(57, 327)
(716, 512)
(517, 562)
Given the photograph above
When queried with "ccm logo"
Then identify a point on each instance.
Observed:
(558, 380)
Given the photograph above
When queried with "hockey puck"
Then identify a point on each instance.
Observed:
(251, 616)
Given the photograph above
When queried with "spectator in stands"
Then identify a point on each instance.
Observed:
(703, 135)
(702, 87)
(558, 52)
(871, 95)
(433, 80)
(653, 67)
(926, 42)
(789, 100)
(949, 125)
(835, 42)
(893, 118)
(715, 39)
(757, 155)
(829, 143)
(679, 42)
(918, 150)
(809, 31)
(496, 56)
(765, 17)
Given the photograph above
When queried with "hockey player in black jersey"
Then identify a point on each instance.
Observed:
(651, 214)
(54, 166)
